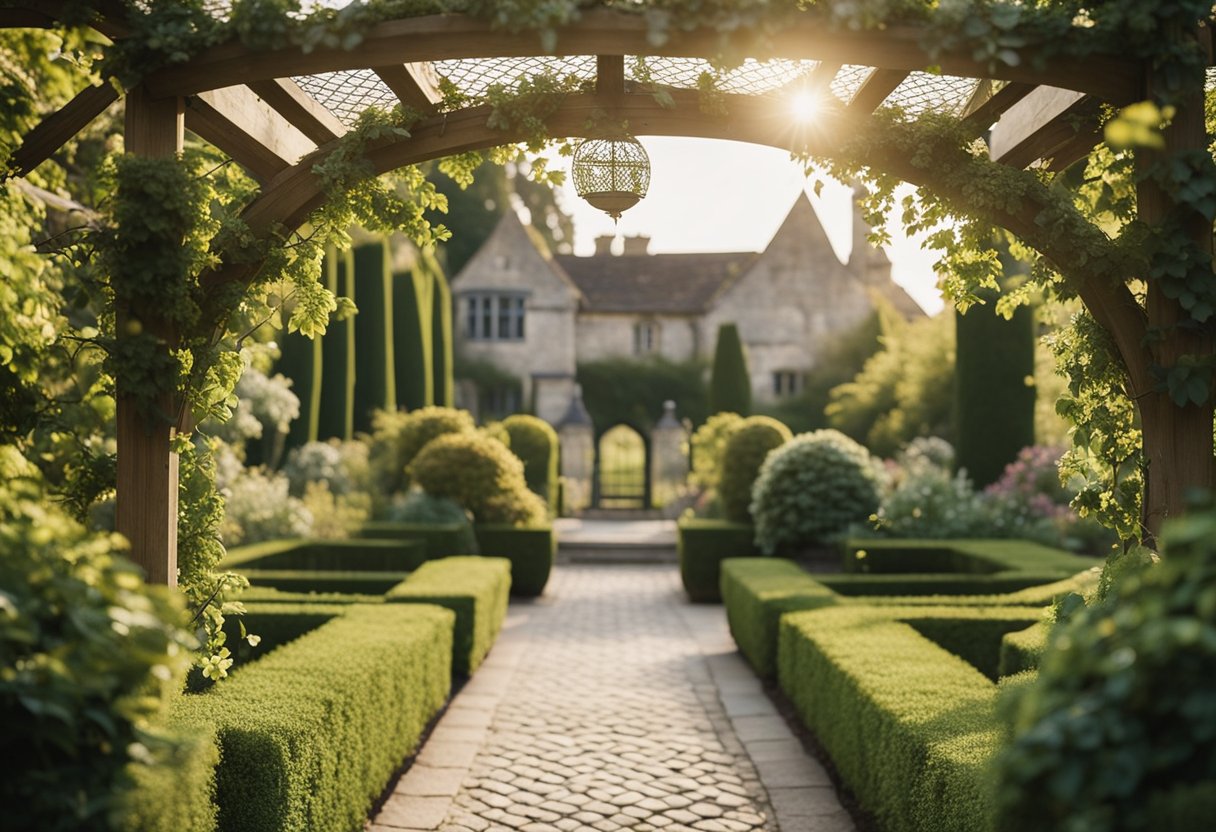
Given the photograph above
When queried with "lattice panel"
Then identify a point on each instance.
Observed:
(750, 78)
(474, 77)
(346, 94)
(848, 81)
(924, 92)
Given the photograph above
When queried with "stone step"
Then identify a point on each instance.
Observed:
(614, 553)
(620, 514)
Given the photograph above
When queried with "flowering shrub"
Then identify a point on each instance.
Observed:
(928, 501)
(334, 516)
(708, 443)
(259, 506)
(344, 467)
(810, 488)
(928, 450)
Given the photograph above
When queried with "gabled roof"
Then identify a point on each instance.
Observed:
(516, 237)
(673, 284)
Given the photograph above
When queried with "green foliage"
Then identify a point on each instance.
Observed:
(730, 385)
(977, 557)
(702, 545)
(1021, 650)
(476, 589)
(297, 755)
(535, 443)
(324, 581)
(413, 339)
(927, 501)
(301, 361)
(811, 489)
(375, 378)
(531, 551)
(419, 509)
(994, 415)
(376, 555)
(624, 391)
(178, 794)
(88, 655)
(1121, 720)
(338, 360)
(480, 474)
(708, 445)
(747, 446)
(942, 585)
(909, 726)
(756, 593)
(399, 437)
(905, 390)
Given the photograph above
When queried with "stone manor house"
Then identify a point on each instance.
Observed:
(535, 316)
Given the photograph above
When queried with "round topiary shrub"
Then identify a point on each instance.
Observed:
(398, 437)
(811, 488)
(746, 447)
(535, 443)
(708, 445)
(480, 474)
(1116, 733)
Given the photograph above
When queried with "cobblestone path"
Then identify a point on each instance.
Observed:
(611, 704)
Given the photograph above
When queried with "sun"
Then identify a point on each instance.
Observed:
(804, 106)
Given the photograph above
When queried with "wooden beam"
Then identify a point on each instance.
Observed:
(415, 85)
(147, 466)
(610, 75)
(308, 115)
(57, 129)
(1046, 121)
(1111, 77)
(875, 88)
(981, 115)
(248, 129)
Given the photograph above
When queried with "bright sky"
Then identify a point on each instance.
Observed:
(708, 195)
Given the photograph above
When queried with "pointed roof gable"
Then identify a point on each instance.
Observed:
(511, 234)
(802, 224)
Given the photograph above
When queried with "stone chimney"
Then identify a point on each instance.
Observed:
(638, 244)
(603, 244)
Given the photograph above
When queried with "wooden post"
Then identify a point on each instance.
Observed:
(1177, 439)
(147, 467)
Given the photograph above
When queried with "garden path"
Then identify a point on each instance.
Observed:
(613, 704)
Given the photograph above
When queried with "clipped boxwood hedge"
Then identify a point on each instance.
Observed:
(329, 555)
(757, 592)
(910, 726)
(935, 583)
(270, 595)
(976, 557)
(1022, 649)
(531, 552)
(440, 540)
(475, 589)
(310, 734)
(298, 580)
(274, 624)
(702, 545)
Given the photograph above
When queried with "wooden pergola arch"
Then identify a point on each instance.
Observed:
(246, 103)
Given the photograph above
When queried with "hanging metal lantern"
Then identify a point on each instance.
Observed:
(611, 174)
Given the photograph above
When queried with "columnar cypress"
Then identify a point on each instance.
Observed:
(994, 404)
(441, 329)
(375, 385)
(336, 415)
(412, 335)
(730, 387)
(300, 361)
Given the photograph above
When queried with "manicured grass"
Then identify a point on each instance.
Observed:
(310, 734)
(475, 589)
(702, 545)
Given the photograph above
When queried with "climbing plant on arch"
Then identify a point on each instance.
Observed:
(1134, 243)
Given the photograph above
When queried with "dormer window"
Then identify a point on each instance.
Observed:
(494, 316)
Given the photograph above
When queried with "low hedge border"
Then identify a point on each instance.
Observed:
(274, 624)
(1021, 650)
(440, 540)
(909, 725)
(531, 552)
(976, 557)
(758, 591)
(310, 734)
(868, 584)
(475, 589)
(299, 580)
(307, 555)
(270, 595)
(702, 545)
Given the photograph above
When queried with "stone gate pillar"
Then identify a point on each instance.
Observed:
(576, 437)
(668, 458)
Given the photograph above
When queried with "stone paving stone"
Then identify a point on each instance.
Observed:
(613, 705)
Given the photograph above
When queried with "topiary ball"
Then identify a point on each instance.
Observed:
(398, 437)
(479, 473)
(811, 488)
(535, 443)
(746, 447)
